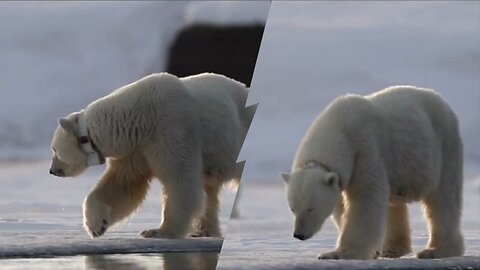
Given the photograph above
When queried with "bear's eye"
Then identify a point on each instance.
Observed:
(310, 210)
(54, 151)
(292, 210)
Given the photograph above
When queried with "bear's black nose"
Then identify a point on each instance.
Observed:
(299, 236)
(57, 172)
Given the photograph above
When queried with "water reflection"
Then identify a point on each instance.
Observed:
(166, 261)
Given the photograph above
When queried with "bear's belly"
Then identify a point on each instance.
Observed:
(410, 191)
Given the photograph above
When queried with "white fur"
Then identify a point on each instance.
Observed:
(187, 132)
(390, 148)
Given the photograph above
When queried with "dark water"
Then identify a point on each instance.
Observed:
(166, 261)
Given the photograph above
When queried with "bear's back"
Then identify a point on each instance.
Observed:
(221, 108)
(210, 87)
(410, 103)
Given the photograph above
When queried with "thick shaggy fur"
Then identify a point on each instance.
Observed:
(187, 132)
(371, 156)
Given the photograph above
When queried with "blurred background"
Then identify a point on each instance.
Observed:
(57, 57)
(313, 52)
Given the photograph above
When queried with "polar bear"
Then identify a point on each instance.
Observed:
(364, 158)
(186, 132)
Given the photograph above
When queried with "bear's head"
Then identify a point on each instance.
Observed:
(68, 157)
(312, 195)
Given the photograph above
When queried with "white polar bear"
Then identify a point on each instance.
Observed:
(187, 132)
(364, 158)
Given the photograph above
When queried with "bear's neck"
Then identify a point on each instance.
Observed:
(329, 147)
(94, 157)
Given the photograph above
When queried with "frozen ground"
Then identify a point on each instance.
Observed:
(166, 261)
(263, 237)
(41, 216)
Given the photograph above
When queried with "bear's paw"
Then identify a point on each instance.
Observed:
(97, 217)
(158, 233)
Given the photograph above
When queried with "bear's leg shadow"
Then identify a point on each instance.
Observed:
(121, 189)
(443, 207)
(364, 220)
(397, 241)
(183, 198)
(209, 224)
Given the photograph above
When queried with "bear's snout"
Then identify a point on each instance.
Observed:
(57, 172)
(299, 236)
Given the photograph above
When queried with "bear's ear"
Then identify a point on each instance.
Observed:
(66, 124)
(331, 179)
(285, 177)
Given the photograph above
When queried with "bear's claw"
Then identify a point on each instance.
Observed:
(393, 252)
(99, 232)
(344, 254)
(334, 255)
(156, 233)
(97, 216)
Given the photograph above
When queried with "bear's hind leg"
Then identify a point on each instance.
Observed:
(183, 200)
(442, 211)
(443, 206)
(397, 240)
(209, 225)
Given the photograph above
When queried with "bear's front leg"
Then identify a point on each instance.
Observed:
(364, 223)
(97, 215)
(183, 202)
(120, 191)
(397, 241)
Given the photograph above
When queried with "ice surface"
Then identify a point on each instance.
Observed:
(263, 237)
(41, 215)
(166, 261)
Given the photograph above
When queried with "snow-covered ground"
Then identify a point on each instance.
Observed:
(314, 51)
(41, 216)
(263, 237)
